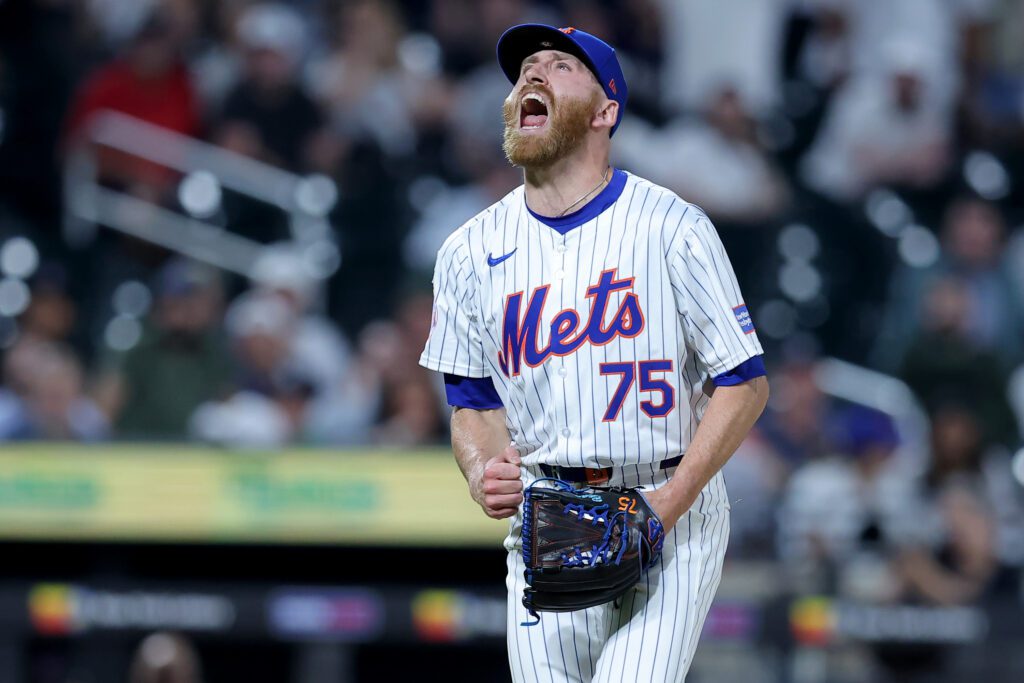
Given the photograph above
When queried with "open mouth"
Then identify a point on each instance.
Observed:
(533, 112)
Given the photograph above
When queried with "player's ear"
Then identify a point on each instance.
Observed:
(606, 115)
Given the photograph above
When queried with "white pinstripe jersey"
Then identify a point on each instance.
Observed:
(599, 341)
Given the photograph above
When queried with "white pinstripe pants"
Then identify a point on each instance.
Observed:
(652, 634)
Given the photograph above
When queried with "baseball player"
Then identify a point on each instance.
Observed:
(590, 328)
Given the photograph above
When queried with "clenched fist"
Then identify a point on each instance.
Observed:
(499, 490)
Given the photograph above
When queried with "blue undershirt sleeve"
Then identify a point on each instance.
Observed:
(471, 392)
(744, 372)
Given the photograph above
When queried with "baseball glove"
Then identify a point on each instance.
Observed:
(585, 547)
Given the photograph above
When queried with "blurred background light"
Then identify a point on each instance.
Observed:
(1018, 466)
(887, 212)
(132, 299)
(321, 259)
(798, 242)
(14, 297)
(200, 194)
(316, 195)
(986, 175)
(799, 281)
(19, 258)
(122, 333)
(918, 247)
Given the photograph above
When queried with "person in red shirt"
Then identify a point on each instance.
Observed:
(148, 81)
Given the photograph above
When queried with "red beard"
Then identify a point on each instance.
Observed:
(567, 125)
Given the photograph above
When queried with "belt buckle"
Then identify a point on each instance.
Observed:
(596, 477)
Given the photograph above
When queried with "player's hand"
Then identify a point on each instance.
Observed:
(664, 505)
(500, 490)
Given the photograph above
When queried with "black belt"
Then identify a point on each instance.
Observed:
(593, 475)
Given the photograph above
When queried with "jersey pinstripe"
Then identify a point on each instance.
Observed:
(558, 384)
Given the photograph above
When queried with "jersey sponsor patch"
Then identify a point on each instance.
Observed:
(743, 318)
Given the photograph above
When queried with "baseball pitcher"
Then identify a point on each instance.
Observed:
(603, 367)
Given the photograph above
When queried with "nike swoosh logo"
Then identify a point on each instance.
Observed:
(491, 261)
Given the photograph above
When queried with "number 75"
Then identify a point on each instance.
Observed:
(648, 383)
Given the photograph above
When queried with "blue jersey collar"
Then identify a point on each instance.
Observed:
(590, 210)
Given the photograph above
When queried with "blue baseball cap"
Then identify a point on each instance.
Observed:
(519, 42)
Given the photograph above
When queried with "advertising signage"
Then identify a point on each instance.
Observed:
(168, 494)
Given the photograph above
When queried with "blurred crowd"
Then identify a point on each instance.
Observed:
(862, 159)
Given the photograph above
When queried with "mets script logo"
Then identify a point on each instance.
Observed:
(520, 331)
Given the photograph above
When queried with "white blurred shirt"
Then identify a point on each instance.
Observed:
(710, 43)
(863, 116)
(723, 176)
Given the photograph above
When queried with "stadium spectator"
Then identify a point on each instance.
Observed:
(756, 476)
(638, 31)
(490, 179)
(260, 326)
(834, 514)
(892, 127)
(151, 390)
(410, 405)
(268, 407)
(285, 395)
(376, 86)
(317, 348)
(47, 400)
(946, 359)
(453, 24)
(268, 115)
(149, 82)
(735, 181)
(707, 43)
(52, 314)
(930, 28)
(950, 555)
(411, 415)
(826, 58)
(992, 314)
(468, 30)
(992, 61)
(248, 419)
(794, 424)
(383, 93)
(165, 658)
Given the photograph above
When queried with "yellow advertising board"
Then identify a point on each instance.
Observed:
(178, 493)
